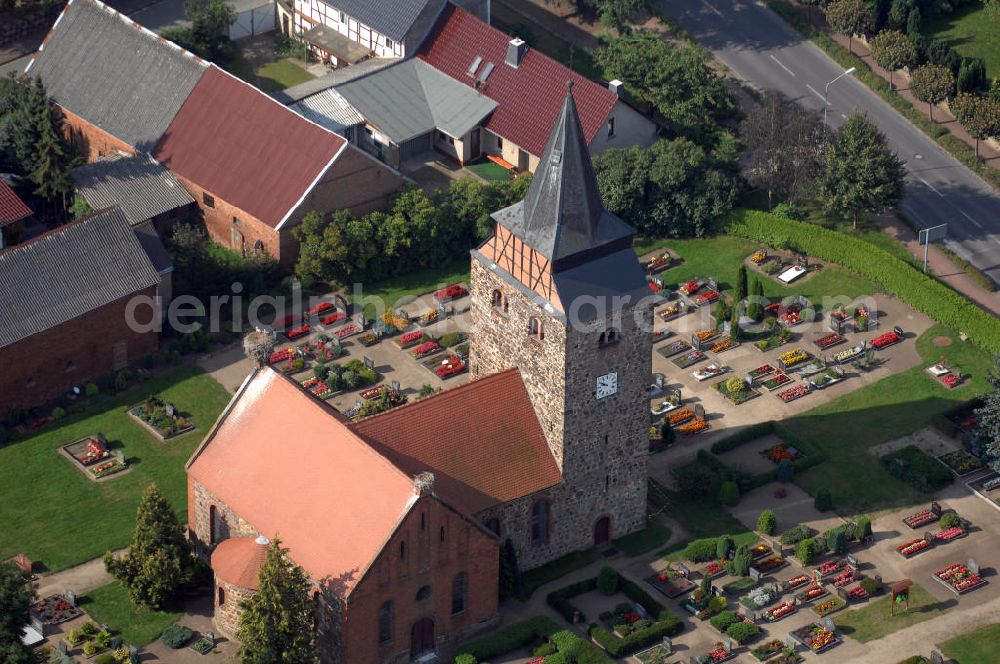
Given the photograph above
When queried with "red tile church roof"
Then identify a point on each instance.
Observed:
(482, 441)
(529, 96)
(12, 208)
(238, 560)
(239, 144)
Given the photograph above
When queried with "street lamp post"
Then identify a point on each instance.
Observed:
(826, 92)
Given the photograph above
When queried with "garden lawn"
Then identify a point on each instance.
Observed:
(721, 257)
(654, 535)
(976, 647)
(269, 77)
(843, 429)
(873, 621)
(489, 171)
(972, 31)
(400, 290)
(137, 625)
(55, 515)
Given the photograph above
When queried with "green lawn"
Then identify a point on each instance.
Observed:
(972, 31)
(489, 171)
(653, 536)
(54, 514)
(270, 77)
(873, 620)
(398, 291)
(846, 427)
(976, 647)
(137, 625)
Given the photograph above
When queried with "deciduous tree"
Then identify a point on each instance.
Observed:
(932, 84)
(784, 148)
(276, 626)
(861, 174)
(979, 115)
(892, 50)
(851, 17)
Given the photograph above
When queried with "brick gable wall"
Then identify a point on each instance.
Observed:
(92, 141)
(43, 366)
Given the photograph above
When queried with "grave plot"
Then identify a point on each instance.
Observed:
(161, 418)
(94, 459)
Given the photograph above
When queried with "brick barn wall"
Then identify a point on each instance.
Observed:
(429, 561)
(37, 369)
(91, 140)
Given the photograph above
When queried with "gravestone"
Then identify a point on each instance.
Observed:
(641, 610)
(63, 647)
(394, 386)
(791, 642)
(668, 644)
(357, 404)
(442, 309)
(660, 378)
(359, 320)
(656, 281)
(699, 411)
(211, 637)
(683, 570)
(133, 655)
(829, 624)
(973, 566)
(38, 625)
(120, 456)
(712, 283)
(852, 561)
(727, 645)
(70, 596)
(169, 407)
(369, 362)
(754, 574)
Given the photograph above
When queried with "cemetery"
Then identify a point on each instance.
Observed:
(95, 458)
(161, 418)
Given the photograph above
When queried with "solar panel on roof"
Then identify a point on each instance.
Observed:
(475, 65)
(487, 70)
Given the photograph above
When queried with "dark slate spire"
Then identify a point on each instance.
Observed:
(562, 215)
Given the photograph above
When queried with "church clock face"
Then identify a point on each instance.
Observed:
(607, 385)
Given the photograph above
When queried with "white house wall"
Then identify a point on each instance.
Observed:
(312, 12)
(631, 128)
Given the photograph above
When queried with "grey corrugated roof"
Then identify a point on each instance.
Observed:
(65, 273)
(329, 109)
(412, 98)
(138, 185)
(562, 215)
(153, 246)
(332, 78)
(114, 74)
(393, 19)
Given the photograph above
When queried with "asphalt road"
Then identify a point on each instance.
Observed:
(764, 51)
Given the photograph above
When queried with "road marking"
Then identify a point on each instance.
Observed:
(706, 3)
(843, 116)
(780, 64)
(930, 186)
(813, 90)
(978, 225)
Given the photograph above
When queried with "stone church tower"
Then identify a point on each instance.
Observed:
(559, 293)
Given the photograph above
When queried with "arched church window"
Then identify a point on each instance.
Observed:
(540, 521)
(535, 328)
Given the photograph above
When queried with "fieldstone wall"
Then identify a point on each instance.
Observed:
(227, 614)
(601, 445)
(201, 501)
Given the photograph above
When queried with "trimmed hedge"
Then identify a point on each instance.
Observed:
(559, 599)
(750, 433)
(701, 550)
(571, 647)
(918, 469)
(896, 276)
(667, 624)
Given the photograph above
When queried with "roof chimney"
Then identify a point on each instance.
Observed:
(423, 484)
(516, 48)
(616, 87)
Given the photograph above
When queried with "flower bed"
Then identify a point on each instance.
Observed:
(449, 293)
(368, 339)
(320, 308)
(827, 378)
(830, 567)
(297, 332)
(776, 613)
(844, 578)
(828, 606)
(772, 342)
(761, 371)
(347, 330)
(758, 598)
(951, 381)
(776, 381)
(848, 354)
(790, 318)
(203, 646)
(706, 335)
(410, 339)
(107, 468)
(718, 654)
(318, 388)
(770, 563)
(885, 340)
(958, 578)
(829, 340)
(781, 452)
(961, 462)
(672, 311)
(705, 297)
(690, 288)
(54, 609)
(282, 355)
(714, 570)
(429, 316)
(793, 357)
(659, 262)
(372, 392)
(795, 582)
(724, 344)
(759, 550)
(815, 637)
(424, 349)
(671, 583)
(814, 591)
(322, 351)
(768, 649)
(793, 393)
(913, 547)
(654, 285)
(949, 534)
(161, 418)
(674, 348)
(709, 371)
(921, 518)
(680, 416)
(741, 396)
(660, 654)
(88, 451)
(452, 366)
(758, 256)
(694, 426)
(857, 594)
(689, 358)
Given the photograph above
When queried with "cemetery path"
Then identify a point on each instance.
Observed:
(79, 579)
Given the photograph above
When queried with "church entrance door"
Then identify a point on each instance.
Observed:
(421, 637)
(602, 530)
